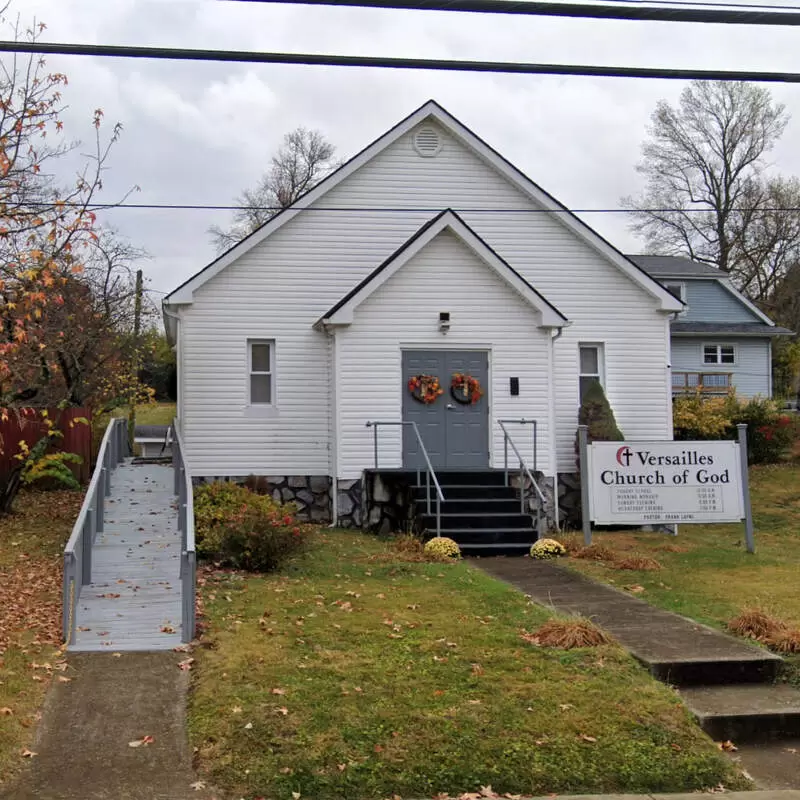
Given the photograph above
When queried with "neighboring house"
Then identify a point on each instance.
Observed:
(427, 255)
(720, 341)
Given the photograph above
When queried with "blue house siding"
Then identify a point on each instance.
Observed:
(710, 301)
(751, 372)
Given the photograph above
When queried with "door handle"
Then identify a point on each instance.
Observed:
(450, 407)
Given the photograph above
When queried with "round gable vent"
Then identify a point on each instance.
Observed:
(427, 142)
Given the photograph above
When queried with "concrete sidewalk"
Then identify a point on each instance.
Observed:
(82, 744)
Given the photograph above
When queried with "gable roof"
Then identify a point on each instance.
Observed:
(679, 268)
(674, 267)
(432, 110)
(448, 220)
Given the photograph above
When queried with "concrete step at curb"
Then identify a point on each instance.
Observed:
(746, 713)
(774, 764)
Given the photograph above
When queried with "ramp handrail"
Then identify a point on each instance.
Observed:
(188, 566)
(78, 550)
(430, 473)
(524, 470)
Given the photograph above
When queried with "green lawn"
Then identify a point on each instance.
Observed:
(355, 674)
(31, 543)
(706, 572)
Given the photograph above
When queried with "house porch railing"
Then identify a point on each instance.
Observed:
(703, 382)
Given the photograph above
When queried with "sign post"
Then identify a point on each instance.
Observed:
(665, 483)
(583, 453)
(749, 539)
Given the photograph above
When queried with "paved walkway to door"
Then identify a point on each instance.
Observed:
(82, 743)
(134, 599)
(674, 648)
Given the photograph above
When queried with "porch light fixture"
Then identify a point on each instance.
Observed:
(444, 321)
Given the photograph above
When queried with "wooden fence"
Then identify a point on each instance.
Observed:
(27, 425)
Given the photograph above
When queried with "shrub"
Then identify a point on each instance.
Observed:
(770, 433)
(547, 548)
(596, 413)
(697, 417)
(442, 549)
(239, 528)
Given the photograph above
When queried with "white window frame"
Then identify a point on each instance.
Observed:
(601, 365)
(719, 362)
(271, 344)
(681, 292)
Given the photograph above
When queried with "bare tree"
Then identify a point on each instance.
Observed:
(303, 160)
(703, 165)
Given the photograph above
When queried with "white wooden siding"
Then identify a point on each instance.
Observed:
(485, 314)
(751, 372)
(280, 287)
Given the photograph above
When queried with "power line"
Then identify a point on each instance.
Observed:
(385, 62)
(722, 13)
(392, 209)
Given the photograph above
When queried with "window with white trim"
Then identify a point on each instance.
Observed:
(590, 357)
(677, 289)
(261, 369)
(719, 354)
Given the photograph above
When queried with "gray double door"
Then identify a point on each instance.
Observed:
(456, 435)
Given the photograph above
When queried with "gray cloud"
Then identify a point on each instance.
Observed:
(199, 133)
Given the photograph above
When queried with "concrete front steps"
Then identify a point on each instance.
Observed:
(727, 683)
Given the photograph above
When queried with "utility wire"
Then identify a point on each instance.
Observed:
(450, 65)
(676, 12)
(388, 209)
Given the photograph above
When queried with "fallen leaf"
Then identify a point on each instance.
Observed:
(728, 746)
(249, 726)
(198, 785)
(64, 679)
(5, 711)
(587, 738)
(236, 710)
(635, 589)
(186, 664)
(145, 740)
(279, 691)
(167, 629)
(28, 753)
(283, 710)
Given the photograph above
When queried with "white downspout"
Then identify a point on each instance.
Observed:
(552, 400)
(334, 429)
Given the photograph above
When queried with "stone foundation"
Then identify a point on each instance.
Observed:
(311, 494)
(569, 500)
(388, 502)
(349, 506)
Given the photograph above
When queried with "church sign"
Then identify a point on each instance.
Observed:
(665, 483)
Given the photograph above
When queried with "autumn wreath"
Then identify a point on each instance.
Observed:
(465, 389)
(425, 388)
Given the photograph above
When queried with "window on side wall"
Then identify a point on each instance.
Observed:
(719, 354)
(677, 289)
(261, 372)
(591, 366)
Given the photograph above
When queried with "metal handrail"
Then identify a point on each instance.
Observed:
(188, 564)
(78, 550)
(523, 469)
(430, 473)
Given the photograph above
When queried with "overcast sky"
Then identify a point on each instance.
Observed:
(199, 133)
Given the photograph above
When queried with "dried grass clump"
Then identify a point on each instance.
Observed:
(643, 563)
(786, 641)
(673, 548)
(596, 552)
(407, 547)
(573, 542)
(756, 624)
(567, 634)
